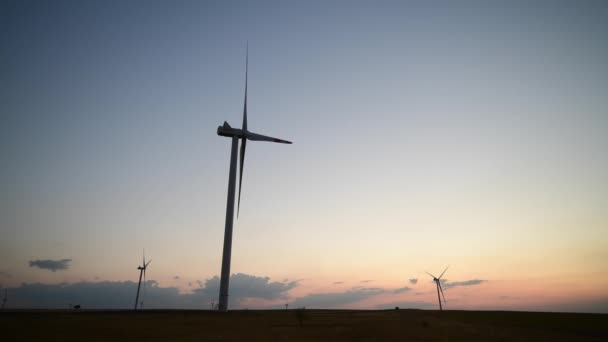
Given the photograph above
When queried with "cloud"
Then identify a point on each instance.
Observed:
(447, 285)
(99, 295)
(367, 280)
(249, 286)
(121, 295)
(336, 299)
(51, 265)
(507, 297)
(401, 290)
(338, 282)
(176, 277)
(413, 281)
(339, 299)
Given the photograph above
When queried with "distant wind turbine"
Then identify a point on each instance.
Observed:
(437, 281)
(142, 270)
(236, 134)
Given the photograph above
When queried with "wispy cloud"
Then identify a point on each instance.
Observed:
(447, 285)
(337, 299)
(413, 281)
(367, 280)
(338, 282)
(401, 290)
(51, 265)
(176, 277)
(507, 297)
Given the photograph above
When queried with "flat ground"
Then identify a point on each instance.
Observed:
(301, 325)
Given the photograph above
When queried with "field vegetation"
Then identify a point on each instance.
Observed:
(301, 325)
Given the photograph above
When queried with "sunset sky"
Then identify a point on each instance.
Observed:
(426, 133)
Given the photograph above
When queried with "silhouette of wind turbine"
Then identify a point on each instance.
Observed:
(236, 134)
(142, 270)
(437, 281)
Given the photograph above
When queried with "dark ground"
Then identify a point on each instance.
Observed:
(300, 325)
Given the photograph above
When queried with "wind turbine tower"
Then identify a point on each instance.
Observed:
(437, 281)
(235, 134)
(142, 271)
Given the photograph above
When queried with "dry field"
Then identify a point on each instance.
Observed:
(301, 325)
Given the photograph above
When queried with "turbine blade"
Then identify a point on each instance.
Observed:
(441, 289)
(243, 146)
(244, 139)
(144, 257)
(146, 265)
(244, 128)
(259, 137)
(430, 274)
(444, 271)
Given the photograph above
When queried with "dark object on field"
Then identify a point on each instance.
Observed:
(76, 307)
(396, 308)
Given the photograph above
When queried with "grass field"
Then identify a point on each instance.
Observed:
(301, 325)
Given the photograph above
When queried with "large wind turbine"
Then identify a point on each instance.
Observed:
(438, 283)
(236, 134)
(142, 270)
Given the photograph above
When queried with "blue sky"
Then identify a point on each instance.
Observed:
(425, 134)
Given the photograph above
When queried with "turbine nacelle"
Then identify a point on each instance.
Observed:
(227, 131)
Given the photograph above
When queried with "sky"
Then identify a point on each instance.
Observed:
(426, 134)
